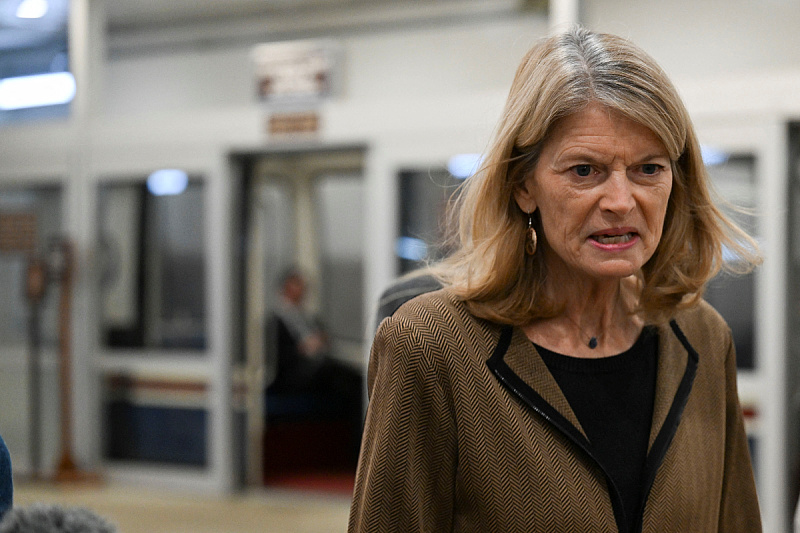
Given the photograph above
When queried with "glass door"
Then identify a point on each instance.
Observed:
(304, 326)
(152, 302)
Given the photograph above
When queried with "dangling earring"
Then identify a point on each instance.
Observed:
(530, 242)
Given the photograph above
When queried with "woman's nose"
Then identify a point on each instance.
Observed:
(617, 194)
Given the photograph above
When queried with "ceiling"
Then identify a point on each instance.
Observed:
(16, 32)
(131, 16)
(137, 26)
(128, 14)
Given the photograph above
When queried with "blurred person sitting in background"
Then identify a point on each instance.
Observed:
(300, 344)
(568, 377)
(301, 347)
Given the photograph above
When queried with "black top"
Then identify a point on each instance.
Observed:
(612, 398)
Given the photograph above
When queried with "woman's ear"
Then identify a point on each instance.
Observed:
(523, 194)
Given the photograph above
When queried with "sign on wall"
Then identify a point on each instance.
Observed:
(295, 71)
(17, 232)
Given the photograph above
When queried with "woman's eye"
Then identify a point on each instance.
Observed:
(582, 170)
(650, 168)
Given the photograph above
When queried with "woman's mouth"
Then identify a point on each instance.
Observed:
(613, 239)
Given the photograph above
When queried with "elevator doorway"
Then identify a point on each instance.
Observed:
(302, 217)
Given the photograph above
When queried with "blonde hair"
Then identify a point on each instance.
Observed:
(561, 75)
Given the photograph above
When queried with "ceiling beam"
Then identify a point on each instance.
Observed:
(344, 19)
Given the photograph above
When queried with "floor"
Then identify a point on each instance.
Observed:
(135, 510)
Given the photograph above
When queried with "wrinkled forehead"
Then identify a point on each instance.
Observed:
(643, 121)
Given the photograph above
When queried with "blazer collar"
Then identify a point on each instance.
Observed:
(518, 365)
(524, 361)
(673, 363)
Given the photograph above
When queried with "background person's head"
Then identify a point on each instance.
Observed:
(293, 286)
(560, 76)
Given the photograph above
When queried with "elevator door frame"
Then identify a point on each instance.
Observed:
(248, 369)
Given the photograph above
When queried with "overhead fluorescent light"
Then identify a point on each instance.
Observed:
(167, 181)
(411, 248)
(32, 9)
(713, 156)
(37, 91)
(462, 166)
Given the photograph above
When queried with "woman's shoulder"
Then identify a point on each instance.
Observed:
(432, 334)
(701, 324)
(402, 290)
(432, 305)
(435, 314)
(701, 315)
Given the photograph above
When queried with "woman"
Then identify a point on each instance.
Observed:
(569, 377)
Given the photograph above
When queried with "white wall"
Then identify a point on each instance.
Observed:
(430, 63)
(693, 38)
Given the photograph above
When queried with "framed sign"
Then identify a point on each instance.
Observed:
(295, 71)
(18, 232)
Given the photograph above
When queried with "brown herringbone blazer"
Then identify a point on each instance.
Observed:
(467, 431)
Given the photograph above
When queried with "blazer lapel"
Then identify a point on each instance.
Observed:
(677, 367)
(672, 360)
(520, 368)
(518, 365)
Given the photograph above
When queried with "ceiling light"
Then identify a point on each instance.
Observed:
(462, 166)
(37, 91)
(32, 9)
(411, 248)
(167, 181)
(713, 156)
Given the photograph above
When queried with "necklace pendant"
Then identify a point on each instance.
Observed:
(593, 343)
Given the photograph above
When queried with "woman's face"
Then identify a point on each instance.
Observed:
(601, 186)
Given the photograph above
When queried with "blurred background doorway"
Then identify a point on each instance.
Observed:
(302, 211)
